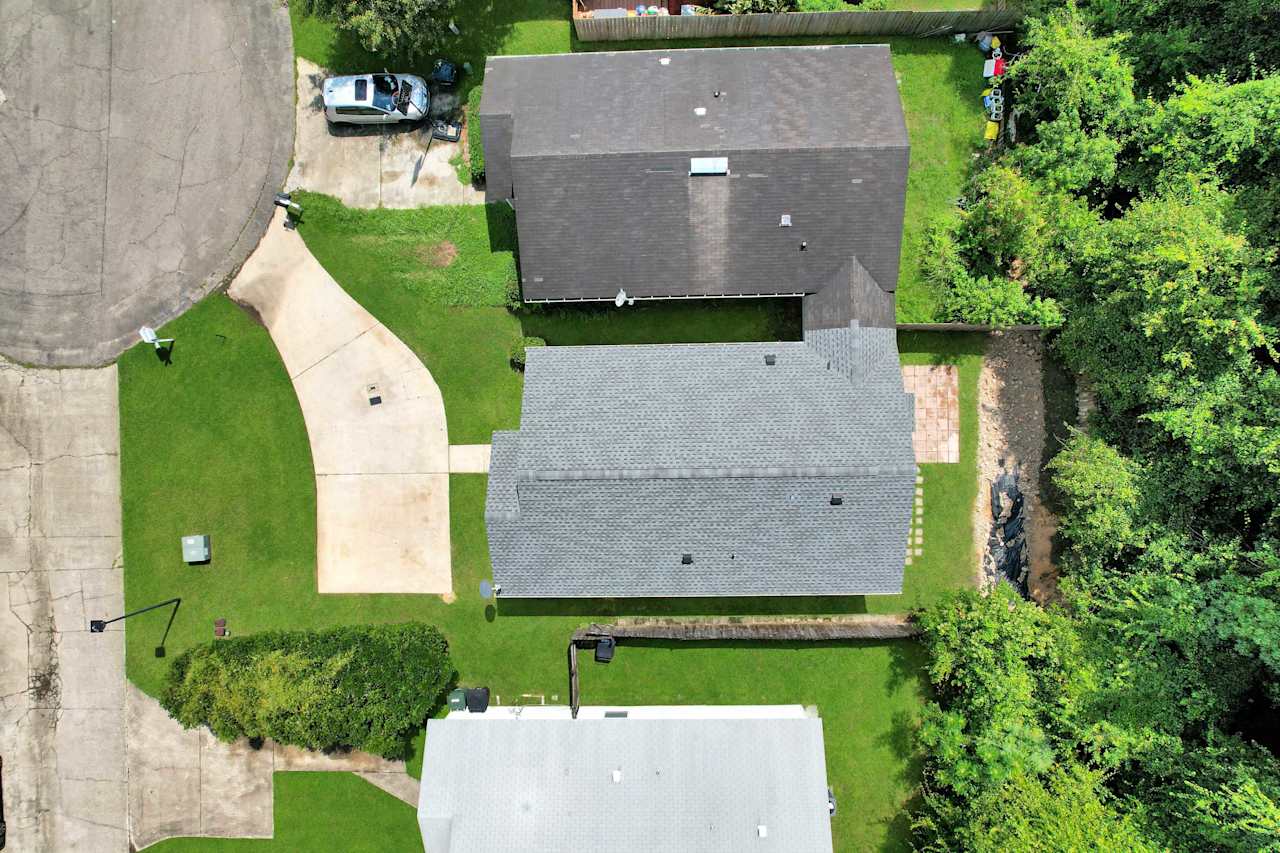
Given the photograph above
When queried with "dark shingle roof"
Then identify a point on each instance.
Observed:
(630, 457)
(595, 150)
(836, 96)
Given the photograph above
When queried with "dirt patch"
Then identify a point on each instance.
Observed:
(1011, 430)
(437, 255)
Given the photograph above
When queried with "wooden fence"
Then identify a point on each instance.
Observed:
(883, 23)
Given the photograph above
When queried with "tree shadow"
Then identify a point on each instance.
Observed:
(608, 608)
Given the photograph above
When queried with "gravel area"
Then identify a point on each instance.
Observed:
(1011, 431)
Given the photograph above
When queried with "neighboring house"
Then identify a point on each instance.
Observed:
(740, 469)
(695, 779)
(712, 172)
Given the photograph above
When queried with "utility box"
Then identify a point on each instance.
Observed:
(457, 700)
(195, 549)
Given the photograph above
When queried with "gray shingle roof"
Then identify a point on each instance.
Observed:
(630, 457)
(595, 151)
(822, 96)
(546, 786)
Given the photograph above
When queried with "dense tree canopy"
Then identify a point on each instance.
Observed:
(398, 28)
(1141, 204)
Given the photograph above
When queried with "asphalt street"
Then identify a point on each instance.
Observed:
(141, 142)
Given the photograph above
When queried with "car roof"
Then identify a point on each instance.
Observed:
(341, 91)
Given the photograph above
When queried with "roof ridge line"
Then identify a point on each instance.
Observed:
(711, 473)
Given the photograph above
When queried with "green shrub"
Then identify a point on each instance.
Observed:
(518, 350)
(743, 7)
(998, 302)
(367, 687)
(475, 143)
(827, 6)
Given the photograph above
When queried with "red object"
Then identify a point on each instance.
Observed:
(999, 66)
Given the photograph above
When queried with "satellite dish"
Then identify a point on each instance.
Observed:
(486, 589)
(620, 299)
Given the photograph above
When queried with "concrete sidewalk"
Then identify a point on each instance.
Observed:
(62, 731)
(188, 783)
(375, 420)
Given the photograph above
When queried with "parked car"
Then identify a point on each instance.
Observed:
(375, 99)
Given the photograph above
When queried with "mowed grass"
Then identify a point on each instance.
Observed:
(214, 443)
(940, 83)
(466, 349)
(322, 811)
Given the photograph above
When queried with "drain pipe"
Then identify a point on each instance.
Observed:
(573, 678)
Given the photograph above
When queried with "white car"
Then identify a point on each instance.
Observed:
(375, 99)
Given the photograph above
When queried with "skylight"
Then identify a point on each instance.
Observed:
(708, 165)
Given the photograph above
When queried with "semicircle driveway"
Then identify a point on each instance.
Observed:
(141, 142)
(375, 419)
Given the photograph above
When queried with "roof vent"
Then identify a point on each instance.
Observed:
(666, 60)
(771, 359)
(804, 244)
(617, 776)
(686, 560)
(716, 93)
(785, 221)
(837, 500)
(762, 831)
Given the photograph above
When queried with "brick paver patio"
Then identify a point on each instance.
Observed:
(937, 391)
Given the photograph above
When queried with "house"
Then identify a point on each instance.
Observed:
(775, 171)
(626, 779)
(742, 469)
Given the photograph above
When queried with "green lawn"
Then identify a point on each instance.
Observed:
(214, 443)
(940, 84)
(322, 811)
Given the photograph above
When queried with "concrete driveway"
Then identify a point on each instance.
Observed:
(375, 420)
(62, 689)
(140, 144)
(373, 166)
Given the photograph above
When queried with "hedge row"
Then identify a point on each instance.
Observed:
(367, 687)
(475, 145)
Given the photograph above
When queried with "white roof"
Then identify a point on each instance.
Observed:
(691, 779)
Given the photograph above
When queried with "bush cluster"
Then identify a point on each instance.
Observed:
(367, 687)
(518, 348)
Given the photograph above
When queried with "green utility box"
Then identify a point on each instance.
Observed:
(195, 549)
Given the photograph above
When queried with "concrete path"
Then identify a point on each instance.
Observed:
(140, 144)
(375, 420)
(188, 783)
(372, 166)
(469, 458)
(62, 689)
(936, 388)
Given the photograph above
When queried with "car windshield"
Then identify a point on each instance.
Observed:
(384, 91)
